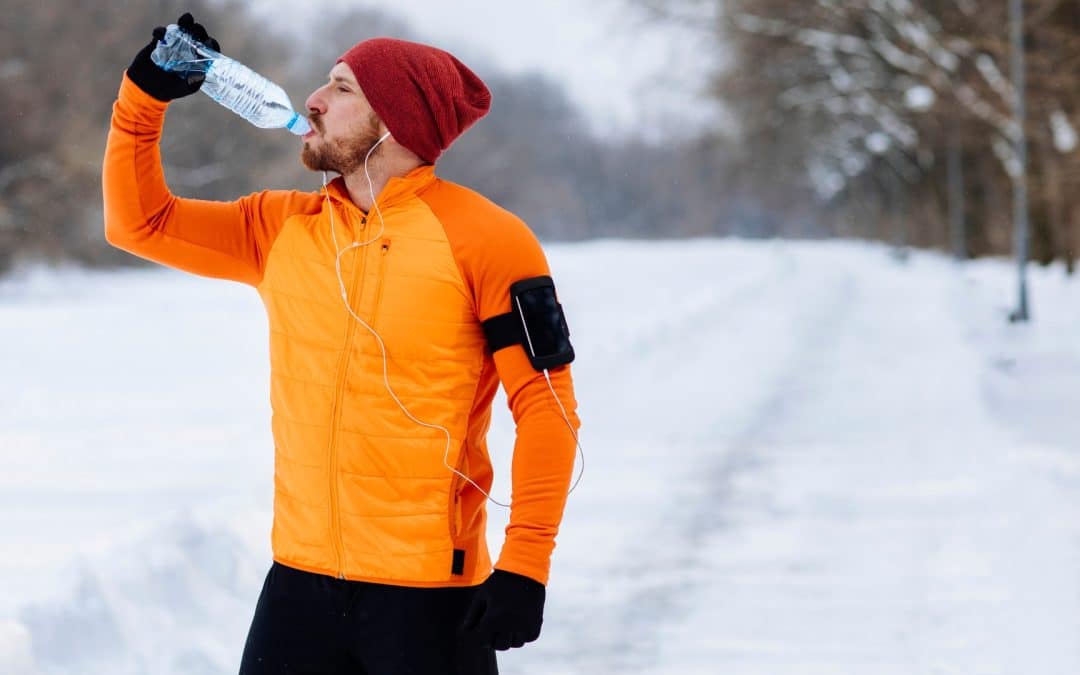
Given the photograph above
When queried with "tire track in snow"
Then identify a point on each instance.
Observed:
(663, 560)
(870, 517)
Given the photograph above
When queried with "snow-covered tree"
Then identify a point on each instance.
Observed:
(864, 98)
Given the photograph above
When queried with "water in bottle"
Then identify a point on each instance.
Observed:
(229, 82)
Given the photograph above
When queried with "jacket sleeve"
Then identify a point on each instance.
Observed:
(227, 240)
(545, 447)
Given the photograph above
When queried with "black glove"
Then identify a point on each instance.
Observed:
(161, 84)
(506, 611)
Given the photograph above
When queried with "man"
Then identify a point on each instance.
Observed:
(385, 294)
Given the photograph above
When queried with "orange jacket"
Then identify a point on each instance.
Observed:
(360, 490)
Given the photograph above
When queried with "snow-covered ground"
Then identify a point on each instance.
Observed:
(801, 458)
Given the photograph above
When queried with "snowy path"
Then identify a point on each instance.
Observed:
(882, 523)
(801, 458)
(865, 514)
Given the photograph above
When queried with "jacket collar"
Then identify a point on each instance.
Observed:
(397, 189)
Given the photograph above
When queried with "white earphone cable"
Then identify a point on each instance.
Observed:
(382, 345)
(573, 432)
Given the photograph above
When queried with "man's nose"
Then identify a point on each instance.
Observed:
(314, 103)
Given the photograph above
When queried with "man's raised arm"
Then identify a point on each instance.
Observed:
(228, 240)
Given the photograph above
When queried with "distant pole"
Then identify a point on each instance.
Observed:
(897, 195)
(894, 210)
(957, 223)
(1020, 196)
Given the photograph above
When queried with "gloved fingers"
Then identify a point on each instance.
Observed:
(516, 640)
(213, 44)
(154, 80)
(196, 30)
(474, 615)
(531, 635)
(500, 641)
(186, 22)
(200, 34)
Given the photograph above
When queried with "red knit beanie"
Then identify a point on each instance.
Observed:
(424, 95)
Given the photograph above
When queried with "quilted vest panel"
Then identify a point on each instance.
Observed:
(361, 488)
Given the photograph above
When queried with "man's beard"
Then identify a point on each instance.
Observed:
(347, 155)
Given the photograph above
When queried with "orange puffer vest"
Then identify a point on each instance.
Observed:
(361, 489)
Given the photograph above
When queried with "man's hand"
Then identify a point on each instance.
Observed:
(161, 84)
(506, 611)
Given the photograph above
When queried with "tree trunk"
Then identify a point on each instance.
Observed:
(957, 222)
(1072, 208)
(1053, 196)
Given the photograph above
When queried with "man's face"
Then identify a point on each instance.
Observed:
(344, 125)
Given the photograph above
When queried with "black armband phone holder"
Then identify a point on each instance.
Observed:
(535, 321)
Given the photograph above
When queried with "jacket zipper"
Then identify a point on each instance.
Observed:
(456, 483)
(384, 250)
(335, 414)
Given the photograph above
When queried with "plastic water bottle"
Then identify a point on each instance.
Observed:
(229, 82)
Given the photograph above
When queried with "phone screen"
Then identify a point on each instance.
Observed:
(544, 322)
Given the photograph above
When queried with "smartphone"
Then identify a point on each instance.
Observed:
(547, 337)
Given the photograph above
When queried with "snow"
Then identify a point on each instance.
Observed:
(919, 98)
(878, 143)
(801, 458)
(988, 68)
(1007, 154)
(1064, 132)
(827, 181)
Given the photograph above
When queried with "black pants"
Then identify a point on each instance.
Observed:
(311, 624)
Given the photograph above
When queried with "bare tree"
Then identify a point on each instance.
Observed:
(868, 98)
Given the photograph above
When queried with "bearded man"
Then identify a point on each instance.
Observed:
(397, 303)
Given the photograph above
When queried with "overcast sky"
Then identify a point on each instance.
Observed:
(626, 74)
